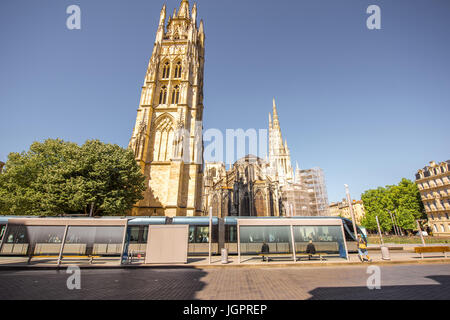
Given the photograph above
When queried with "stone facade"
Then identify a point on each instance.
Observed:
(167, 139)
(257, 187)
(342, 209)
(433, 182)
(244, 190)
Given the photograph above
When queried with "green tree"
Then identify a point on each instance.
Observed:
(402, 200)
(57, 177)
(408, 206)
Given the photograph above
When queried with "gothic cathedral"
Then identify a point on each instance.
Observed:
(167, 138)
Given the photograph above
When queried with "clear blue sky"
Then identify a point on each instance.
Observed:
(367, 106)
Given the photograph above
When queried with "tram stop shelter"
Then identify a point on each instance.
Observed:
(55, 239)
(289, 238)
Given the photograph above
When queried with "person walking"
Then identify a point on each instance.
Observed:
(362, 249)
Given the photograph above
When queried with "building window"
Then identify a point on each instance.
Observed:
(176, 94)
(435, 228)
(442, 228)
(178, 70)
(431, 215)
(166, 70)
(163, 95)
(164, 135)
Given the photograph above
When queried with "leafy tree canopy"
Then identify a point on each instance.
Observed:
(58, 177)
(402, 200)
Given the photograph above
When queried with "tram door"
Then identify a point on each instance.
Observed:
(167, 244)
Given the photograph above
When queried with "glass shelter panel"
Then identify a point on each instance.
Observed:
(278, 239)
(94, 240)
(324, 239)
(33, 240)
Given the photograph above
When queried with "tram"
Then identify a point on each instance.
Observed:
(224, 234)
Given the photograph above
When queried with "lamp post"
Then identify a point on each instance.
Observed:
(420, 232)
(350, 206)
(393, 223)
(209, 238)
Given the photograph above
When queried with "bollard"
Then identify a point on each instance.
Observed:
(385, 253)
(224, 255)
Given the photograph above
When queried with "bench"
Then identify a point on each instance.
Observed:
(270, 256)
(320, 254)
(442, 249)
(290, 255)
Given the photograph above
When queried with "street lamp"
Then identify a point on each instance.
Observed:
(350, 206)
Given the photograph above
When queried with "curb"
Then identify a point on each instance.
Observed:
(222, 266)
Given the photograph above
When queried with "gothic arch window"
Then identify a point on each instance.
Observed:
(176, 94)
(166, 70)
(163, 95)
(178, 70)
(164, 134)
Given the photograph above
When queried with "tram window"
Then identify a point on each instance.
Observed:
(138, 234)
(134, 234)
(2, 232)
(200, 234)
(230, 233)
(16, 234)
(144, 234)
(191, 234)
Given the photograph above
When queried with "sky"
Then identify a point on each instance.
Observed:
(369, 107)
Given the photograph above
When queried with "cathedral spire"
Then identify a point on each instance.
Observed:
(194, 14)
(162, 19)
(162, 16)
(201, 33)
(183, 12)
(298, 178)
(276, 123)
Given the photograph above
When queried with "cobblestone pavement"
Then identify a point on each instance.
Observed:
(345, 282)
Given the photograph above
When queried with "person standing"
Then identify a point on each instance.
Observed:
(265, 251)
(310, 249)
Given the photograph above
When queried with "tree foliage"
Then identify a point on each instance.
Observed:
(402, 200)
(58, 177)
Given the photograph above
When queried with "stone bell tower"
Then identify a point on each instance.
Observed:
(167, 138)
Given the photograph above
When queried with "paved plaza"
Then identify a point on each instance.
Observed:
(427, 281)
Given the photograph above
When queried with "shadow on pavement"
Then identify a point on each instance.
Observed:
(103, 284)
(440, 291)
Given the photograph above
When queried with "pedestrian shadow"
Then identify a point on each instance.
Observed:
(440, 291)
